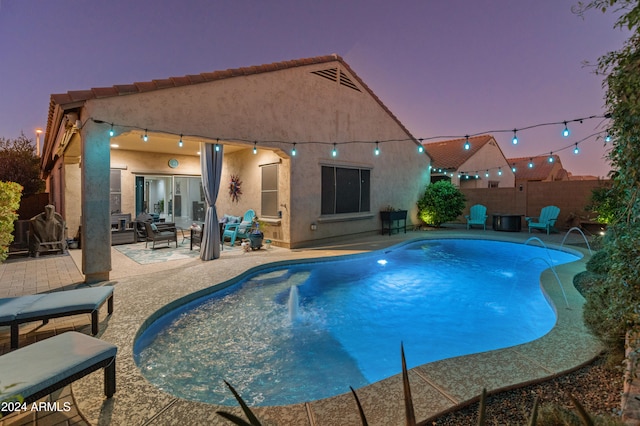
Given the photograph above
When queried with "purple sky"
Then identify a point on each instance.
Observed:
(444, 67)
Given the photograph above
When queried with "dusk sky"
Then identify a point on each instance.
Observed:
(443, 67)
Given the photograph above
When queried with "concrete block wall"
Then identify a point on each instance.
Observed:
(527, 200)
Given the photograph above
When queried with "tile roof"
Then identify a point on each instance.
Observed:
(74, 99)
(541, 169)
(451, 155)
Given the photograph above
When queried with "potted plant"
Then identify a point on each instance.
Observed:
(256, 235)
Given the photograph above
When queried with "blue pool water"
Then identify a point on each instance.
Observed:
(440, 298)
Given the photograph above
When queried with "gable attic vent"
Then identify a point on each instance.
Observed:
(332, 74)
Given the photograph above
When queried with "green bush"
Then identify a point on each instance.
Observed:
(9, 203)
(600, 263)
(441, 202)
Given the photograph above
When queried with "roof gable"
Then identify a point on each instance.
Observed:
(540, 169)
(74, 99)
(451, 154)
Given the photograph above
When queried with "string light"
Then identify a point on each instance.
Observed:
(486, 174)
(293, 150)
(145, 137)
(607, 137)
(530, 163)
(513, 168)
(565, 132)
(467, 145)
(217, 148)
(377, 150)
(180, 143)
(515, 137)
(334, 152)
(255, 147)
(576, 150)
(420, 147)
(551, 157)
(111, 132)
(499, 171)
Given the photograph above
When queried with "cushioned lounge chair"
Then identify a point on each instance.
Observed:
(42, 307)
(477, 216)
(239, 230)
(546, 220)
(160, 232)
(45, 366)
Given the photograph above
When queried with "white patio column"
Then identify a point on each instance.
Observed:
(95, 188)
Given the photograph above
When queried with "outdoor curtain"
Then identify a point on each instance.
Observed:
(211, 165)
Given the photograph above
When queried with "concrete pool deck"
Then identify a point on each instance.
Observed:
(141, 290)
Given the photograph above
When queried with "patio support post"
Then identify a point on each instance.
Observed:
(96, 225)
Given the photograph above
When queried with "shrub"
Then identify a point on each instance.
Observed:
(9, 203)
(600, 263)
(440, 203)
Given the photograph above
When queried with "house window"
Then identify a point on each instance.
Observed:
(115, 191)
(269, 207)
(345, 190)
(493, 183)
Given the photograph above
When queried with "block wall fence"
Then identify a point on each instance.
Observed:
(528, 198)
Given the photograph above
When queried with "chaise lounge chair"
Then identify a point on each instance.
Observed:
(547, 219)
(477, 216)
(38, 369)
(42, 307)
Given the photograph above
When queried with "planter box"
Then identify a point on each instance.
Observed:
(391, 221)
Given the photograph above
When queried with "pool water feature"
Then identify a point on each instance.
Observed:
(441, 298)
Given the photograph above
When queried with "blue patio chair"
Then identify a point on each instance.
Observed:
(477, 216)
(546, 220)
(238, 230)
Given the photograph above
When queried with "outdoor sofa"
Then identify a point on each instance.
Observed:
(42, 307)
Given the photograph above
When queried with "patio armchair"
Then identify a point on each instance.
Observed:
(158, 233)
(546, 220)
(238, 230)
(477, 216)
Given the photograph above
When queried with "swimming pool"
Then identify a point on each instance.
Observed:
(441, 298)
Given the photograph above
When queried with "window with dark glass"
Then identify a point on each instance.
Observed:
(345, 190)
(269, 194)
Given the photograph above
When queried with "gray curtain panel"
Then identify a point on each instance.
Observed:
(211, 165)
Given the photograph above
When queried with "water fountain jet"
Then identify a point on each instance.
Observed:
(293, 303)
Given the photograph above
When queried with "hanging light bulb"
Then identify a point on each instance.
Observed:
(334, 152)
(476, 175)
(467, 145)
(550, 159)
(515, 137)
(293, 150)
(565, 132)
(607, 137)
(513, 168)
(145, 137)
(217, 147)
(180, 143)
(530, 163)
(420, 147)
(111, 132)
(486, 174)
(576, 150)
(377, 150)
(500, 171)
(255, 148)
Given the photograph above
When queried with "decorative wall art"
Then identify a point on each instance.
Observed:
(234, 188)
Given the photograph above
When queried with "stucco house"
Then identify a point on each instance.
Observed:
(474, 162)
(307, 144)
(541, 168)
